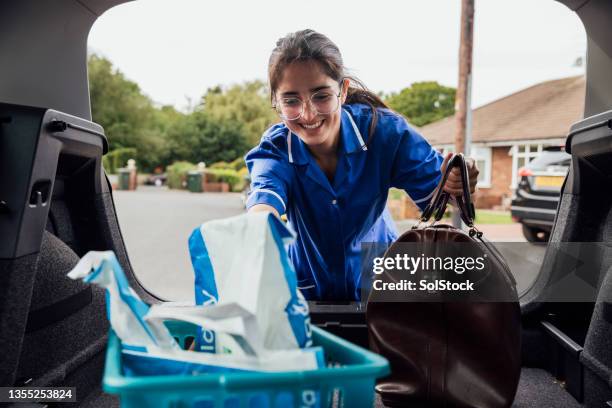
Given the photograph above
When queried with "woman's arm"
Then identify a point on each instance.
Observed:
(417, 167)
(270, 179)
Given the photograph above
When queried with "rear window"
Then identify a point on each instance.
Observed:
(548, 159)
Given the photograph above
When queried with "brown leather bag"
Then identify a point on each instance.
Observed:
(457, 350)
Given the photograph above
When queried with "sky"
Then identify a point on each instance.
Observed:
(176, 49)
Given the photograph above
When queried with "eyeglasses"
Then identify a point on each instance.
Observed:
(323, 102)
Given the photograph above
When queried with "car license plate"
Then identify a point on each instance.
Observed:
(549, 181)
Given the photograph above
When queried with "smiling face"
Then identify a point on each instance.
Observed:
(301, 80)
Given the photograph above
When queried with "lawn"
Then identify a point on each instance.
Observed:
(488, 217)
(493, 217)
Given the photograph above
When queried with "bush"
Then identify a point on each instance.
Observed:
(244, 179)
(177, 173)
(243, 172)
(118, 158)
(221, 165)
(106, 163)
(228, 176)
(238, 164)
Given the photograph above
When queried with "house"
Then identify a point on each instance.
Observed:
(509, 132)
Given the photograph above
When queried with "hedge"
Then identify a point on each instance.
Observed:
(228, 176)
(221, 165)
(118, 158)
(177, 173)
(238, 164)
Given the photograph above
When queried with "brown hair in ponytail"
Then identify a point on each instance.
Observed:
(308, 45)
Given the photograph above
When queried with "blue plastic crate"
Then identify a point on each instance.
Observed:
(348, 381)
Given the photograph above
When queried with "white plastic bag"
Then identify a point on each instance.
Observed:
(148, 347)
(232, 321)
(242, 260)
(124, 308)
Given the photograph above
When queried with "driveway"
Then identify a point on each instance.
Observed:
(156, 224)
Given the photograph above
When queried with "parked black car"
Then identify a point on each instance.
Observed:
(536, 199)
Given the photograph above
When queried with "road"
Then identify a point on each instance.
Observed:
(156, 224)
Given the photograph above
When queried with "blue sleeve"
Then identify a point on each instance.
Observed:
(416, 165)
(270, 177)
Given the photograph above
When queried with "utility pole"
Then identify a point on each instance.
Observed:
(463, 108)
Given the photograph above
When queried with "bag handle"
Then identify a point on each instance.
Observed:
(440, 200)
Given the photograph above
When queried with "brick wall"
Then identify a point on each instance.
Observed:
(491, 197)
(501, 178)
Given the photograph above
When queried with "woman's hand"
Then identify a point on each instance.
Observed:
(264, 208)
(453, 184)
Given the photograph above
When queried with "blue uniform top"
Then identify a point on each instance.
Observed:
(332, 219)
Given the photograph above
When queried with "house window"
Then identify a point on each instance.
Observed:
(521, 156)
(482, 156)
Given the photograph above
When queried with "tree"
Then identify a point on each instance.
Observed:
(201, 137)
(168, 122)
(222, 127)
(423, 102)
(127, 115)
(246, 103)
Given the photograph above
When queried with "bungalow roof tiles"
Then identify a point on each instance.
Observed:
(542, 111)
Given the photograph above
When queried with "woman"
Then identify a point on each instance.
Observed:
(330, 163)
